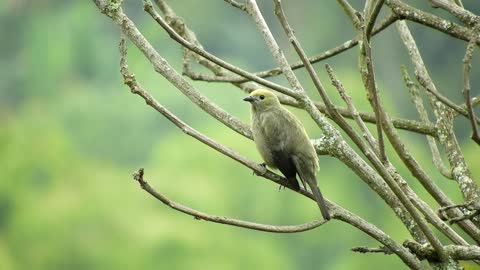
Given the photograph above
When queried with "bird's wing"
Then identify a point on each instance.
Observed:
(298, 166)
(307, 174)
(300, 142)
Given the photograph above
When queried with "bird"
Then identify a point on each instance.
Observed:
(283, 143)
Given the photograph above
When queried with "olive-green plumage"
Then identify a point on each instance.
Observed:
(283, 143)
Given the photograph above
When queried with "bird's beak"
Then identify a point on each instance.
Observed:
(249, 99)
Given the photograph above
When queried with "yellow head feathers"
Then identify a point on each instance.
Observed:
(262, 99)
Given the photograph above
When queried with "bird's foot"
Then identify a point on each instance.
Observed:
(264, 165)
(281, 186)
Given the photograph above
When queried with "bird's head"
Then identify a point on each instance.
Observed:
(262, 99)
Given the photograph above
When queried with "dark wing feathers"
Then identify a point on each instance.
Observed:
(285, 164)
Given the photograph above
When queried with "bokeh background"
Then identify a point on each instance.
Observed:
(71, 134)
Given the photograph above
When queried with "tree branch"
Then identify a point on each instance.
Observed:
(368, 78)
(148, 7)
(314, 59)
(235, 4)
(417, 101)
(383, 178)
(460, 171)
(453, 251)
(371, 11)
(343, 94)
(382, 170)
(363, 249)
(467, 60)
(337, 212)
(419, 204)
(139, 177)
(350, 12)
(458, 11)
(427, 252)
(254, 11)
(410, 13)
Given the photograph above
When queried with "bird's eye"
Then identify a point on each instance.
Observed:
(262, 97)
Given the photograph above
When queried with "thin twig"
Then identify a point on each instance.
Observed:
(314, 59)
(470, 216)
(458, 2)
(368, 77)
(277, 54)
(400, 123)
(148, 7)
(363, 249)
(467, 60)
(341, 149)
(351, 13)
(341, 214)
(373, 10)
(166, 70)
(419, 204)
(130, 80)
(235, 4)
(470, 209)
(179, 26)
(379, 187)
(139, 177)
(378, 164)
(337, 211)
(460, 171)
(454, 252)
(456, 10)
(356, 116)
(432, 90)
(417, 101)
(410, 13)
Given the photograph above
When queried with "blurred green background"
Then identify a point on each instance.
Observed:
(71, 134)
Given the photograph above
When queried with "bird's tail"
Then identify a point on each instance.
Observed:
(320, 201)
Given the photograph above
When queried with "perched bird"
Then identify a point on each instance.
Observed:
(283, 143)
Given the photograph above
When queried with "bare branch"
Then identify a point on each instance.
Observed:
(471, 215)
(409, 259)
(163, 67)
(351, 13)
(458, 2)
(130, 80)
(410, 13)
(371, 11)
(139, 177)
(460, 171)
(363, 249)
(467, 60)
(422, 75)
(179, 26)
(389, 180)
(338, 212)
(417, 101)
(458, 11)
(277, 53)
(356, 116)
(453, 251)
(314, 59)
(379, 174)
(405, 124)
(419, 204)
(368, 78)
(470, 210)
(148, 7)
(235, 4)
